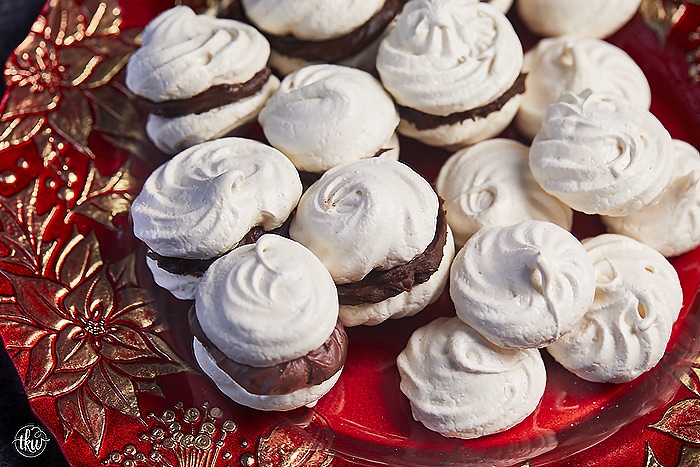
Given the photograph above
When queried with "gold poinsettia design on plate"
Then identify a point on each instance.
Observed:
(87, 331)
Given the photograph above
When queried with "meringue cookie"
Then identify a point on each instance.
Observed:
(369, 215)
(625, 332)
(262, 305)
(600, 155)
(490, 184)
(501, 5)
(678, 206)
(204, 200)
(446, 57)
(449, 373)
(524, 285)
(182, 55)
(325, 115)
(319, 22)
(595, 18)
(573, 64)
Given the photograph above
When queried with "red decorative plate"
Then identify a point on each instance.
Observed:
(104, 355)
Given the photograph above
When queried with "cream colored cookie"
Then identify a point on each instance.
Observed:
(450, 374)
(490, 184)
(625, 332)
(523, 285)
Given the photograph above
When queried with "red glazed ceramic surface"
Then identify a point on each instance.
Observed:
(105, 355)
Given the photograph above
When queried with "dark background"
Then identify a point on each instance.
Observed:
(16, 17)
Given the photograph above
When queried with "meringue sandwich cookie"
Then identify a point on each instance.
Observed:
(594, 18)
(449, 373)
(601, 155)
(523, 285)
(322, 31)
(573, 64)
(199, 77)
(325, 115)
(490, 183)
(672, 224)
(625, 333)
(265, 325)
(454, 69)
(207, 200)
(380, 230)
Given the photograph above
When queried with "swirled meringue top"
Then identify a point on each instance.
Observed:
(599, 154)
(203, 201)
(183, 54)
(625, 333)
(592, 18)
(313, 20)
(370, 214)
(522, 285)
(324, 115)
(573, 64)
(268, 302)
(490, 183)
(679, 206)
(449, 372)
(447, 56)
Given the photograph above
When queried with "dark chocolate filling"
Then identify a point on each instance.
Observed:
(380, 285)
(197, 267)
(337, 48)
(425, 121)
(215, 96)
(309, 370)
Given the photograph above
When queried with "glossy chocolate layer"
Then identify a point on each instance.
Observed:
(197, 267)
(424, 121)
(215, 96)
(380, 285)
(309, 370)
(338, 48)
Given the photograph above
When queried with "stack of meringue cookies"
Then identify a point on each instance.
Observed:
(282, 244)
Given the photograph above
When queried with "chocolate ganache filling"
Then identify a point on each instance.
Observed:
(425, 121)
(215, 96)
(309, 370)
(197, 267)
(337, 48)
(379, 285)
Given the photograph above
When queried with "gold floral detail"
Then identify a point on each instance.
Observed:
(180, 437)
(87, 331)
(661, 16)
(304, 441)
(690, 457)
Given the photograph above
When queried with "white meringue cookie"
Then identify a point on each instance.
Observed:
(308, 396)
(501, 5)
(490, 184)
(449, 373)
(325, 115)
(446, 56)
(313, 20)
(369, 214)
(592, 18)
(600, 155)
(183, 54)
(573, 64)
(625, 332)
(267, 303)
(523, 285)
(172, 135)
(678, 206)
(203, 201)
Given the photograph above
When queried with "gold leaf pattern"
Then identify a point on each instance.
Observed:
(304, 441)
(690, 457)
(80, 412)
(651, 460)
(661, 16)
(682, 421)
